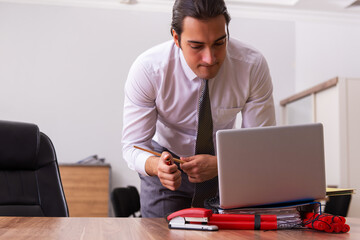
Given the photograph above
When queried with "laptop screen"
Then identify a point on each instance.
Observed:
(270, 165)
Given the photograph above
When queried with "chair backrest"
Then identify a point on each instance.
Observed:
(30, 183)
(126, 201)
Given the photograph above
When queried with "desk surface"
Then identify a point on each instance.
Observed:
(142, 228)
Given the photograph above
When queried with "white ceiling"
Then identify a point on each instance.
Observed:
(313, 5)
(266, 2)
(344, 7)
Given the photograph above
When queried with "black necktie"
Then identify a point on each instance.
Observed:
(204, 145)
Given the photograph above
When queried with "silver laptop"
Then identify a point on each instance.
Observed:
(270, 165)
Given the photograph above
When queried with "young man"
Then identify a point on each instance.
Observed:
(162, 110)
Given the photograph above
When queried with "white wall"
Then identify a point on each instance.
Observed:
(326, 49)
(276, 40)
(64, 69)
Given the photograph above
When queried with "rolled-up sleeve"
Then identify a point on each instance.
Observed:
(139, 119)
(259, 109)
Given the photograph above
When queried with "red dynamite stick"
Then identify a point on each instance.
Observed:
(326, 222)
(329, 228)
(320, 225)
(316, 216)
(346, 228)
(310, 215)
(338, 227)
(325, 217)
(243, 225)
(342, 219)
(308, 222)
(312, 222)
(331, 218)
(337, 219)
(242, 217)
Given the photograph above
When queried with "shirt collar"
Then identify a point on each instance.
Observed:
(187, 70)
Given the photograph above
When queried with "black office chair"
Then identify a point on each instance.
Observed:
(126, 201)
(30, 183)
(338, 205)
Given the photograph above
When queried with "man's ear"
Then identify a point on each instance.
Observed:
(176, 38)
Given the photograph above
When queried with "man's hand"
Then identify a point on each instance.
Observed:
(200, 168)
(167, 172)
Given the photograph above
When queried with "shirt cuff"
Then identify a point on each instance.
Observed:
(140, 162)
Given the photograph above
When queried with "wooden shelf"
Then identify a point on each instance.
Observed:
(315, 89)
(86, 189)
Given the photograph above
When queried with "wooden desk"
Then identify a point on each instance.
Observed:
(86, 189)
(142, 228)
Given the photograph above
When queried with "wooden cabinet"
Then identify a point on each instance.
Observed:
(86, 189)
(335, 104)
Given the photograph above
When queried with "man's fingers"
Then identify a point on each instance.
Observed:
(168, 173)
(171, 181)
(169, 169)
(166, 158)
(188, 166)
(187, 159)
(171, 176)
(195, 179)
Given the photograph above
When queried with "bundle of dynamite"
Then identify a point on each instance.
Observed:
(326, 222)
(204, 219)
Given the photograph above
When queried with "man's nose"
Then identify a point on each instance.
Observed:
(208, 56)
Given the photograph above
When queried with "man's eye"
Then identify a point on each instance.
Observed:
(220, 43)
(195, 46)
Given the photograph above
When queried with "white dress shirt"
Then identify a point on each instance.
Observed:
(162, 95)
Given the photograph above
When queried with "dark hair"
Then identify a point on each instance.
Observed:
(199, 9)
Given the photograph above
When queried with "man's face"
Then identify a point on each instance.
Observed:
(203, 43)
